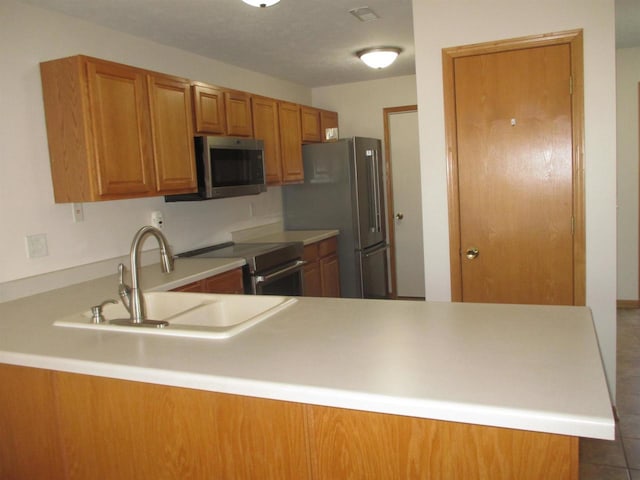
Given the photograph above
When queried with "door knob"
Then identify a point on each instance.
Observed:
(472, 253)
(399, 216)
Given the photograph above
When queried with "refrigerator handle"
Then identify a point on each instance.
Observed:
(373, 191)
(378, 207)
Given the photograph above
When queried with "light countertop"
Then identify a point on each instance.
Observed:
(524, 367)
(305, 236)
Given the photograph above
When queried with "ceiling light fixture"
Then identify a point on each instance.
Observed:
(380, 57)
(261, 3)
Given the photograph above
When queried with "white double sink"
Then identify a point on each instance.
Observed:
(197, 315)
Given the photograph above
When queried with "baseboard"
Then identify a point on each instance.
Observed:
(628, 303)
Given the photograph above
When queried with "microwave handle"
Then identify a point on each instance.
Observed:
(203, 154)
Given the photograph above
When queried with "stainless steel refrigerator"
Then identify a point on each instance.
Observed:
(343, 189)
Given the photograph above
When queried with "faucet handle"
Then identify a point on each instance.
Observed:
(124, 290)
(121, 269)
(96, 312)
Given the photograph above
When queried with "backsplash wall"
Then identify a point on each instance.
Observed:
(26, 195)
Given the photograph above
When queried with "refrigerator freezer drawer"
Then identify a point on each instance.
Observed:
(374, 272)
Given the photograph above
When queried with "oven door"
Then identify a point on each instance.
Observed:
(285, 280)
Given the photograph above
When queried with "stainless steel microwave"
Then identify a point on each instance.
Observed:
(226, 167)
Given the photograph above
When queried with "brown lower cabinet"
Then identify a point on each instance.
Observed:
(67, 426)
(322, 271)
(227, 282)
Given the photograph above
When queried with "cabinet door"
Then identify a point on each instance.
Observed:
(175, 433)
(121, 127)
(238, 113)
(328, 120)
(330, 274)
(312, 280)
(227, 282)
(291, 148)
(310, 124)
(172, 130)
(193, 287)
(266, 128)
(30, 445)
(208, 108)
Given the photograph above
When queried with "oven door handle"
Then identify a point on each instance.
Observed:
(280, 273)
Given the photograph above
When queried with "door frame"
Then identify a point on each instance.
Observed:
(574, 39)
(386, 113)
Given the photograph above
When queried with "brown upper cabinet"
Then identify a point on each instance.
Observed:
(220, 111)
(290, 146)
(266, 127)
(116, 131)
(310, 123)
(328, 121)
(315, 124)
(208, 109)
(238, 106)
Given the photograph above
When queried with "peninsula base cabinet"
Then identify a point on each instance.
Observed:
(59, 425)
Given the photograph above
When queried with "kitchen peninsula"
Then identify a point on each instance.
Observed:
(326, 389)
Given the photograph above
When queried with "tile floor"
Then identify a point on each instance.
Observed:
(620, 459)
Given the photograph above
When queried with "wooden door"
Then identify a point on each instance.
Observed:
(172, 130)
(515, 182)
(121, 127)
(266, 128)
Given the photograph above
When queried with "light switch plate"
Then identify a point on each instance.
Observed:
(37, 245)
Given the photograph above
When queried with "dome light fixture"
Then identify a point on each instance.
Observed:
(380, 57)
(261, 3)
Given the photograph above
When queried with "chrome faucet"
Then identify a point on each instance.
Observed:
(136, 303)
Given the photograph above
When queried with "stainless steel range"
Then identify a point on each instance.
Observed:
(271, 269)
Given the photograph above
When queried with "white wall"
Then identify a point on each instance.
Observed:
(359, 105)
(30, 35)
(627, 79)
(438, 25)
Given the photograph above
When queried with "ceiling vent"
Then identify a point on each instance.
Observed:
(364, 14)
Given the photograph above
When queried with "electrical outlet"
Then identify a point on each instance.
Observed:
(157, 219)
(77, 212)
(37, 245)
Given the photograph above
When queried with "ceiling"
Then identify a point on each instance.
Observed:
(309, 42)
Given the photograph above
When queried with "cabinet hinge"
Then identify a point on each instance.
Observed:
(571, 85)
